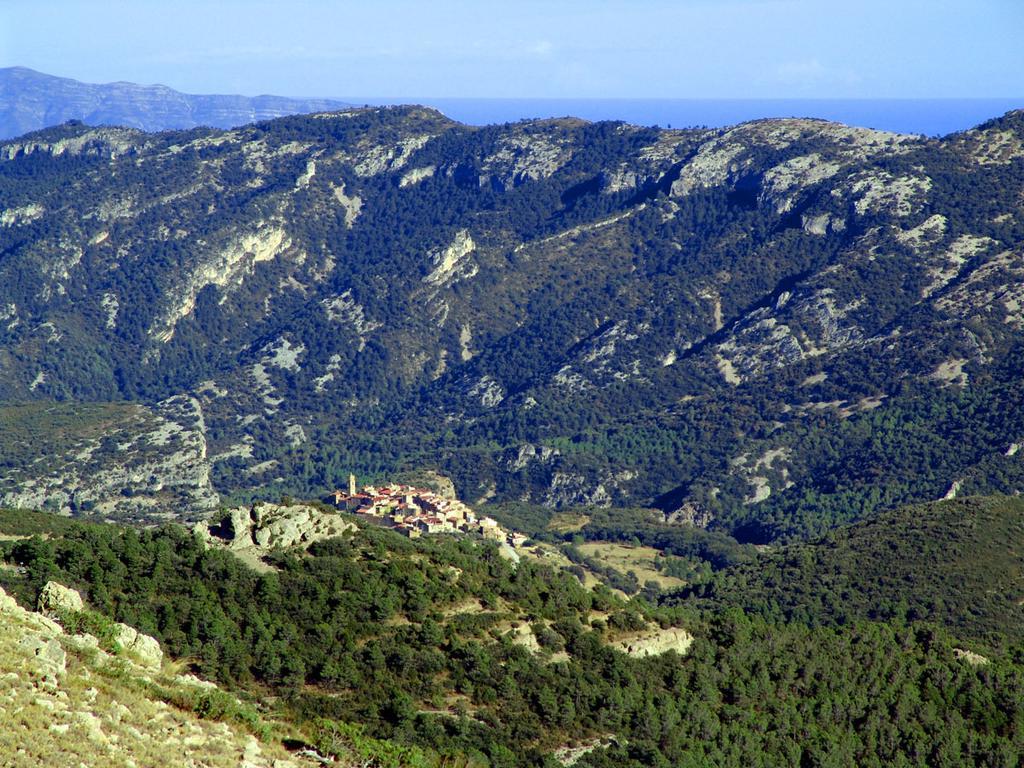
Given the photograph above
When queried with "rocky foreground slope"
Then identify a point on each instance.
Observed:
(769, 328)
(66, 701)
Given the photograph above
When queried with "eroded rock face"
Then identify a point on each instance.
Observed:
(221, 267)
(656, 642)
(265, 527)
(572, 489)
(55, 599)
(522, 157)
(143, 649)
(528, 454)
(159, 464)
(450, 264)
(691, 513)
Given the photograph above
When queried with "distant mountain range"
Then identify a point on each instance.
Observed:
(31, 100)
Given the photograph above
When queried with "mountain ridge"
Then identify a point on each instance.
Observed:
(557, 311)
(31, 100)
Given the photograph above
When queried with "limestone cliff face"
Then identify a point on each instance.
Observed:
(136, 462)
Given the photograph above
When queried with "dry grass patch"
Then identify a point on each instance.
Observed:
(625, 558)
(64, 703)
(549, 555)
(567, 522)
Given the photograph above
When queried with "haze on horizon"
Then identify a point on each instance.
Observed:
(738, 49)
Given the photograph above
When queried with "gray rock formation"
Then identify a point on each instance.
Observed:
(691, 513)
(56, 599)
(143, 649)
(158, 463)
(265, 527)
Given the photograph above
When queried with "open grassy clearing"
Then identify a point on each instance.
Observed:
(625, 558)
(549, 555)
(567, 522)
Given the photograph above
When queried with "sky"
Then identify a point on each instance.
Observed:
(691, 49)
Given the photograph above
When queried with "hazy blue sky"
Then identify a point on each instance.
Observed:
(531, 48)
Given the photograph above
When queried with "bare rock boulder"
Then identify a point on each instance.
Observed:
(142, 649)
(56, 599)
(266, 526)
(7, 603)
(49, 657)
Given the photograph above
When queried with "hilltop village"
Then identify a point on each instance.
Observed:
(415, 511)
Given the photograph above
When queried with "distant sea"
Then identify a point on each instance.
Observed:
(930, 117)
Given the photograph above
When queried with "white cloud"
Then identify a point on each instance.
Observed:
(541, 48)
(811, 72)
(802, 72)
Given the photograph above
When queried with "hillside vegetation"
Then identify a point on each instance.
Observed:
(957, 564)
(769, 329)
(70, 699)
(446, 650)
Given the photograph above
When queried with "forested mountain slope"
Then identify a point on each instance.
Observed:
(457, 657)
(955, 563)
(770, 328)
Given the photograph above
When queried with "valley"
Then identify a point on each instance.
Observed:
(674, 446)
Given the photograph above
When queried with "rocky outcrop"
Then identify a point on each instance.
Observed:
(225, 267)
(49, 658)
(142, 649)
(487, 391)
(60, 603)
(265, 527)
(656, 642)
(65, 701)
(345, 309)
(450, 264)
(690, 513)
(525, 155)
(160, 464)
(525, 455)
(573, 489)
(56, 599)
(375, 159)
